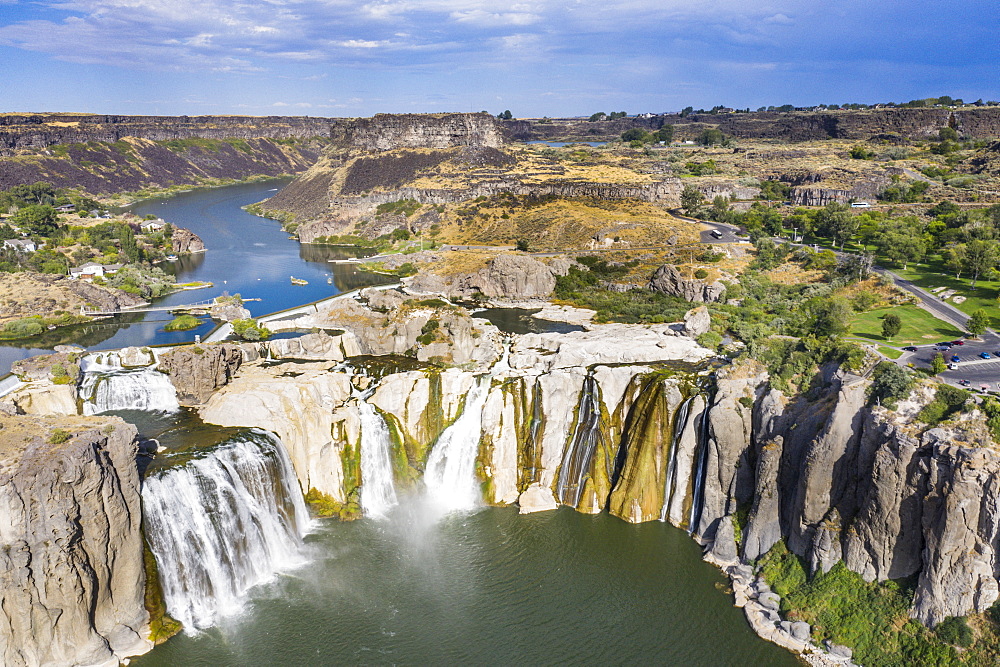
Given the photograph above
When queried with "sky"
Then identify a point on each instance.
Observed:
(536, 58)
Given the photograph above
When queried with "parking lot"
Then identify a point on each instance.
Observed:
(972, 367)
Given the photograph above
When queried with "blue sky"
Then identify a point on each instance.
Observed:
(555, 58)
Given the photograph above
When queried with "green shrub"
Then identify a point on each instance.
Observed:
(59, 436)
(710, 339)
(954, 630)
(701, 274)
(28, 326)
(183, 323)
(249, 329)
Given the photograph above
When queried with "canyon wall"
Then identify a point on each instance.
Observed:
(72, 579)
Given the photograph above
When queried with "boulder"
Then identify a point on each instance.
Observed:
(697, 321)
(669, 280)
(801, 631)
(514, 277)
(198, 370)
(536, 498)
(185, 241)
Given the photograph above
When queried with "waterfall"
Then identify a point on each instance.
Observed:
(107, 385)
(680, 421)
(221, 523)
(450, 475)
(378, 492)
(699, 473)
(586, 434)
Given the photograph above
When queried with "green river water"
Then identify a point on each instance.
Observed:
(487, 588)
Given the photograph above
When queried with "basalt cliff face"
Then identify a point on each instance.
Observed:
(637, 421)
(980, 123)
(430, 159)
(72, 579)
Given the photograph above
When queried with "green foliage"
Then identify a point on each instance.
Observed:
(710, 339)
(59, 436)
(979, 321)
(948, 134)
(183, 323)
(583, 288)
(37, 219)
(23, 328)
(147, 282)
(701, 274)
(710, 137)
(691, 199)
(955, 630)
(634, 134)
(870, 617)
(404, 207)
(324, 506)
(938, 364)
(991, 408)
(891, 324)
(890, 383)
(523, 245)
(947, 401)
(861, 152)
(775, 190)
(249, 329)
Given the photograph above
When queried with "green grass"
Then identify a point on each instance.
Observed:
(919, 327)
(932, 274)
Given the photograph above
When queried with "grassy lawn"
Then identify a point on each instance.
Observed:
(932, 274)
(919, 327)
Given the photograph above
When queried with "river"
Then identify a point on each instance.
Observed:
(247, 255)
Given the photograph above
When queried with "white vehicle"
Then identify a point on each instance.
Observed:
(860, 204)
(717, 233)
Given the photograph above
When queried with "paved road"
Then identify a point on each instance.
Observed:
(930, 302)
(726, 233)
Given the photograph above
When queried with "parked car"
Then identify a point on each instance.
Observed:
(964, 383)
(985, 355)
(909, 348)
(952, 367)
(958, 342)
(956, 358)
(945, 344)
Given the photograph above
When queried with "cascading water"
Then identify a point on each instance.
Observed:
(221, 523)
(680, 421)
(449, 477)
(578, 455)
(107, 385)
(378, 490)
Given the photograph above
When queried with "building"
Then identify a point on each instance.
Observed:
(65, 208)
(21, 245)
(92, 270)
(150, 226)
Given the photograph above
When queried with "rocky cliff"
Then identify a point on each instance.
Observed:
(71, 567)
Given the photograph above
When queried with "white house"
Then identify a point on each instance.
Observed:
(92, 270)
(21, 245)
(150, 226)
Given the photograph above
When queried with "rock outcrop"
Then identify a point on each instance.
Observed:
(197, 371)
(669, 280)
(505, 277)
(184, 241)
(72, 578)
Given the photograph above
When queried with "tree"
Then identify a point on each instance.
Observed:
(710, 137)
(634, 134)
(832, 317)
(948, 134)
(980, 256)
(979, 322)
(522, 245)
(506, 115)
(600, 115)
(938, 364)
(890, 383)
(891, 324)
(37, 219)
(691, 199)
(665, 134)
